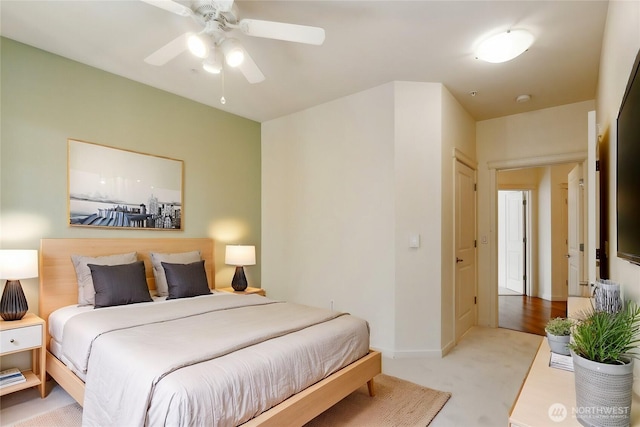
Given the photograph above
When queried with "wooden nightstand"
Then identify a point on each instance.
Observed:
(25, 334)
(247, 291)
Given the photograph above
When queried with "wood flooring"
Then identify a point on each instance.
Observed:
(528, 314)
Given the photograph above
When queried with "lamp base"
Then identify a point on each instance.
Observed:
(239, 282)
(13, 304)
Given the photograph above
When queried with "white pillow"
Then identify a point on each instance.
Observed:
(162, 288)
(86, 291)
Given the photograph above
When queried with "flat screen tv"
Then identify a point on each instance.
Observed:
(628, 169)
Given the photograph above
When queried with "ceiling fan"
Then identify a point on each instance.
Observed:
(218, 18)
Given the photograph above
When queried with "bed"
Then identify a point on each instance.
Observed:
(295, 404)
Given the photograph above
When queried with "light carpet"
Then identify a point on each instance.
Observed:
(396, 403)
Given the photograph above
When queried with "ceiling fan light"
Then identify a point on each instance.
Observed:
(212, 64)
(212, 68)
(197, 46)
(504, 46)
(233, 52)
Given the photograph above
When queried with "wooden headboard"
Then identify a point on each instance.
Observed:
(58, 284)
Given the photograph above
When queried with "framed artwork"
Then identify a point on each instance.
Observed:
(111, 187)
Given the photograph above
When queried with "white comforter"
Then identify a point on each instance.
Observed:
(213, 360)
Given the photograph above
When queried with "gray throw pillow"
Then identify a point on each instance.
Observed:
(86, 291)
(119, 284)
(177, 258)
(186, 280)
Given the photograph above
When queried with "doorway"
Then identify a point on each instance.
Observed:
(532, 226)
(513, 231)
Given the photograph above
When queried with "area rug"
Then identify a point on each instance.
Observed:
(396, 403)
(66, 416)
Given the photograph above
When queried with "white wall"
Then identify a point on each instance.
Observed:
(621, 44)
(345, 184)
(458, 132)
(418, 210)
(328, 208)
(548, 132)
(296, 147)
(620, 47)
(544, 234)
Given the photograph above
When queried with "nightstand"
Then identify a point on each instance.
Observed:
(25, 334)
(247, 291)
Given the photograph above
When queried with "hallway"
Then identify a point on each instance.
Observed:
(528, 314)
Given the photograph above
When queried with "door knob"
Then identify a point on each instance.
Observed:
(458, 260)
(567, 256)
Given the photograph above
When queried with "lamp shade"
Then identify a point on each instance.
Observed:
(16, 264)
(240, 255)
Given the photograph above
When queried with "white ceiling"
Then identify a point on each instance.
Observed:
(368, 43)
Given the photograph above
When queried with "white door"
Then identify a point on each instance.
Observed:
(465, 249)
(514, 241)
(575, 231)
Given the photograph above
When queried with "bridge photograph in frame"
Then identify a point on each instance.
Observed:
(117, 188)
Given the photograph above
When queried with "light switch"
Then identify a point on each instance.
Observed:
(484, 240)
(414, 241)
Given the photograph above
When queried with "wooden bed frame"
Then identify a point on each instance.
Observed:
(58, 288)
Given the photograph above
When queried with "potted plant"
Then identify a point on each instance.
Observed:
(603, 347)
(558, 334)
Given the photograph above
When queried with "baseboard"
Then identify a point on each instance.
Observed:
(447, 348)
(415, 354)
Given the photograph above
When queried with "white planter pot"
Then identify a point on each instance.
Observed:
(559, 343)
(603, 392)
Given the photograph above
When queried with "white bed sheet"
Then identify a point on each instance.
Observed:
(200, 396)
(59, 318)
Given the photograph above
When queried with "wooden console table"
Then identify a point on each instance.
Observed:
(546, 391)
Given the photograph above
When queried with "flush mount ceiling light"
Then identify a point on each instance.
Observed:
(504, 46)
(523, 98)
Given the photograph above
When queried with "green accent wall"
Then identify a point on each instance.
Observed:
(46, 99)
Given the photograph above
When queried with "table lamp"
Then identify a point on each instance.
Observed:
(16, 264)
(240, 256)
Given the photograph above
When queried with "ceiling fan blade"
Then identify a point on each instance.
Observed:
(282, 31)
(169, 51)
(249, 69)
(170, 6)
